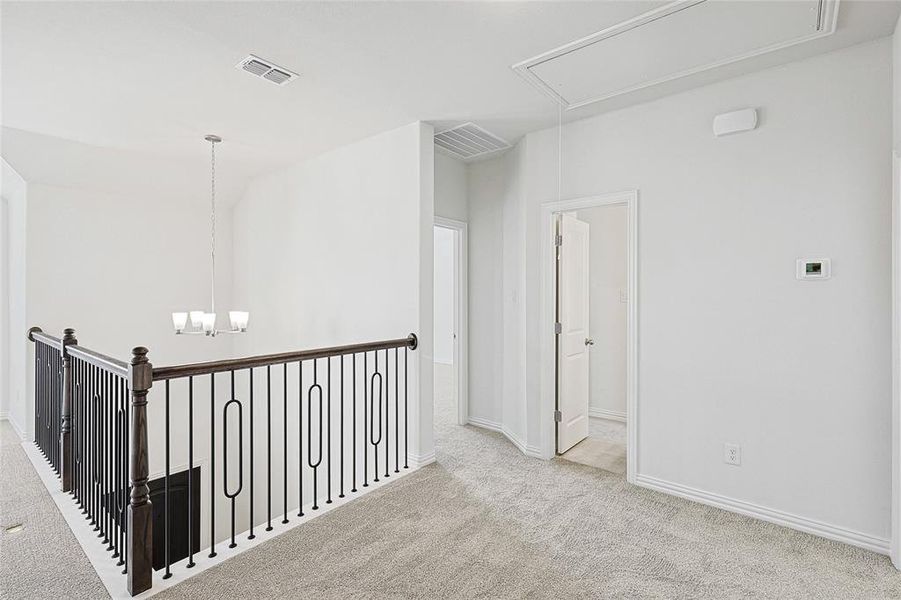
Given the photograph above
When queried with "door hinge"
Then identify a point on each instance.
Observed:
(558, 416)
(558, 240)
(558, 328)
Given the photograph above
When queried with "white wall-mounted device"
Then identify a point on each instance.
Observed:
(735, 122)
(813, 268)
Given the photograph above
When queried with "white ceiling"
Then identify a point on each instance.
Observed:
(153, 78)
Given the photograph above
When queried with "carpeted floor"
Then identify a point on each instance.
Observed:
(43, 560)
(489, 522)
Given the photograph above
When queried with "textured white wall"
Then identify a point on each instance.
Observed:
(444, 296)
(337, 250)
(13, 362)
(608, 231)
(450, 188)
(732, 347)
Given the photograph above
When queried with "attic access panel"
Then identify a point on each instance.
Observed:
(675, 40)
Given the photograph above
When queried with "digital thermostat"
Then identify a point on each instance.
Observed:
(814, 268)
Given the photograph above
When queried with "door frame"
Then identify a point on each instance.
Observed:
(548, 306)
(461, 312)
(895, 541)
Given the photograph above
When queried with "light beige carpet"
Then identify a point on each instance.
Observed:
(43, 560)
(489, 522)
(600, 454)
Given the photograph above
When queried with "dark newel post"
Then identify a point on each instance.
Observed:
(140, 513)
(65, 430)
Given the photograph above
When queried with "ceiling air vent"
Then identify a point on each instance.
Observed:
(266, 70)
(469, 141)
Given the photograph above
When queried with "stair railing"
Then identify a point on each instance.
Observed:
(92, 425)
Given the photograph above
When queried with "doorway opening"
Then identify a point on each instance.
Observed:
(591, 346)
(589, 354)
(449, 324)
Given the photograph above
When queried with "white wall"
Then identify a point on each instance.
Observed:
(607, 256)
(336, 250)
(450, 188)
(896, 54)
(487, 182)
(14, 345)
(728, 338)
(896, 299)
(444, 296)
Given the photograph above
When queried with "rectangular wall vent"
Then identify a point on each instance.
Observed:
(266, 70)
(469, 141)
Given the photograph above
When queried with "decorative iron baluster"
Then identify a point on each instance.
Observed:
(285, 445)
(168, 572)
(268, 448)
(191, 562)
(212, 465)
(232, 495)
(314, 466)
(250, 385)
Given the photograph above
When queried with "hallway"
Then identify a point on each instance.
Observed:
(484, 521)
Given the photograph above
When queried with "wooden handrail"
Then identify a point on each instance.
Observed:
(107, 363)
(234, 364)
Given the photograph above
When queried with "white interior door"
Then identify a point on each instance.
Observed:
(572, 341)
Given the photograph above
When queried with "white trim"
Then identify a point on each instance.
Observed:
(524, 68)
(533, 451)
(610, 415)
(461, 312)
(548, 284)
(19, 431)
(896, 360)
(770, 515)
(112, 576)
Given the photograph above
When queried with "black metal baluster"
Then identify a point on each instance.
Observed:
(212, 465)
(285, 445)
(191, 562)
(108, 472)
(122, 494)
(300, 438)
(84, 419)
(314, 466)
(95, 505)
(126, 389)
(250, 385)
(385, 412)
(365, 427)
(372, 424)
(341, 430)
(353, 424)
(168, 573)
(396, 424)
(406, 439)
(116, 457)
(328, 431)
(232, 495)
(268, 448)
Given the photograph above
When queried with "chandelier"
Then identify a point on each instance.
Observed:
(203, 322)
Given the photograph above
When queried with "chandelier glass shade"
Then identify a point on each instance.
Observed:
(200, 321)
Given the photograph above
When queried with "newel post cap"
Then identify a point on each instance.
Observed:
(140, 371)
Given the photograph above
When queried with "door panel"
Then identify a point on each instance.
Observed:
(572, 299)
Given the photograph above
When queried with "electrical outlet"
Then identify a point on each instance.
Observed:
(732, 454)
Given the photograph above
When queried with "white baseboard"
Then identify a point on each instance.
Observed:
(771, 515)
(19, 431)
(111, 575)
(610, 415)
(421, 461)
(532, 451)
